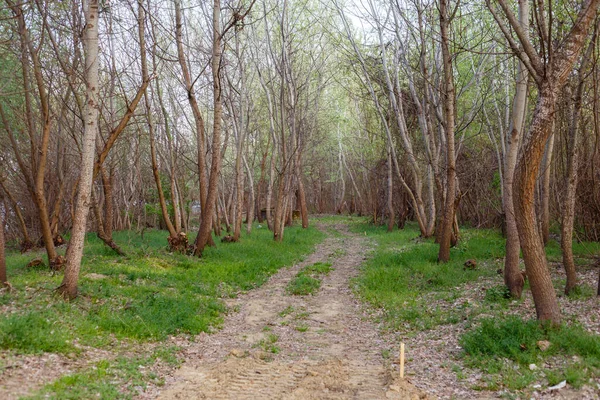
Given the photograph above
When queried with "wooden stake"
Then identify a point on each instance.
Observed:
(401, 360)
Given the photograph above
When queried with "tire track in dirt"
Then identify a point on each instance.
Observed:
(279, 346)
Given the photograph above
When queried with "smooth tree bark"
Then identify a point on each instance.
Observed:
(513, 278)
(68, 288)
(545, 189)
(448, 95)
(550, 74)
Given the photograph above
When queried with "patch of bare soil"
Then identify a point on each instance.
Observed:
(279, 346)
(437, 365)
(22, 374)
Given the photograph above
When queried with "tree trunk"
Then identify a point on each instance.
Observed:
(513, 278)
(68, 288)
(524, 188)
(251, 200)
(200, 133)
(26, 244)
(3, 278)
(204, 234)
(568, 209)
(161, 196)
(545, 192)
(448, 95)
(390, 192)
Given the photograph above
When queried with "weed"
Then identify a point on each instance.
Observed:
(516, 340)
(286, 311)
(147, 296)
(301, 328)
(268, 344)
(307, 280)
(497, 294)
(118, 379)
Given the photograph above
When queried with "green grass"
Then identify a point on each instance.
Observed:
(123, 301)
(493, 341)
(404, 267)
(307, 281)
(403, 279)
(121, 378)
(403, 271)
(268, 344)
(147, 296)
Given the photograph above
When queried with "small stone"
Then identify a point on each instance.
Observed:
(239, 353)
(558, 386)
(395, 388)
(532, 367)
(543, 345)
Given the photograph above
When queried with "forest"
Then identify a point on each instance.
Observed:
(299, 199)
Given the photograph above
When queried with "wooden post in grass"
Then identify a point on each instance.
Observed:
(401, 360)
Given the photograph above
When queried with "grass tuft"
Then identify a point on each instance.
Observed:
(307, 281)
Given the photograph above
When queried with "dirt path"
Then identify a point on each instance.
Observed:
(278, 346)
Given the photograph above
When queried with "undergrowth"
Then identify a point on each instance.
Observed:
(494, 342)
(146, 296)
(308, 280)
(403, 279)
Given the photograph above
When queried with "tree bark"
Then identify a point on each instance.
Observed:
(513, 278)
(448, 98)
(68, 288)
(390, 192)
(571, 178)
(3, 278)
(545, 189)
(204, 233)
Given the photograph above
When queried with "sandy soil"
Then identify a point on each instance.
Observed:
(279, 346)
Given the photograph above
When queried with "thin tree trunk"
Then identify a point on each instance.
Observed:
(448, 95)
(3, 278)
(68, 288)
(545, 200)
(571, 179)
(161, 196)
(26, 244)
(251, 200)
(390, 192)
(200, 133)
(204, 234)
(513, 278)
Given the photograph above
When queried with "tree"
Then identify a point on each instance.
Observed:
(571, 178)
(513, 278)
(68, 287)
(550, 74)
(3, 278)
(448, 95)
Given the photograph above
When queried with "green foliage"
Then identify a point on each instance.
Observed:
(308, 281)
(33, 333)
(147, 296)
(497, 294)
(405, 267)
(117, 379)
(303, 285)
(494, 340)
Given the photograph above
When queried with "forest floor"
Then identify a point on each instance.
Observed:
(319, 316)
(278, 345)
